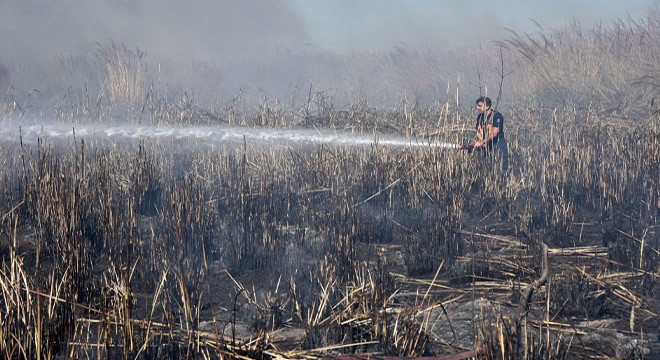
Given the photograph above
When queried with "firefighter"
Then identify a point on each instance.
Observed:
(490, 134)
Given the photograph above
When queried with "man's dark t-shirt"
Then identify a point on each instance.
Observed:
(496, 119)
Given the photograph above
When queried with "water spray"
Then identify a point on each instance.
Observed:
(213, 135)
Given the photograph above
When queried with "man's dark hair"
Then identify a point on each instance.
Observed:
(485, 100)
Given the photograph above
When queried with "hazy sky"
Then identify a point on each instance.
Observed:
(355, 25)
(231, 30)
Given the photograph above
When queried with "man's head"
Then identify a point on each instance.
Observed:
(483, 104)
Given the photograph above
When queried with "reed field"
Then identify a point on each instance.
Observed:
(177, 247)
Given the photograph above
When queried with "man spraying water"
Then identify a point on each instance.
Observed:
(490, 134)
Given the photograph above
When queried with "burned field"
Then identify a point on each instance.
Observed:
(135, 223)
(171, 248)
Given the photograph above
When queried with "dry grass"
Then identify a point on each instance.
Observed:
(168, 249)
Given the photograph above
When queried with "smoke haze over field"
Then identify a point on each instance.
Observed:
(211, 51)
(236, 30)
(197, 29)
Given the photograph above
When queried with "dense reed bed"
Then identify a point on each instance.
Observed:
(175, 249)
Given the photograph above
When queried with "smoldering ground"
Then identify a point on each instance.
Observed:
(126, 232)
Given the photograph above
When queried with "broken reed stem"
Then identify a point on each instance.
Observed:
(523, 304)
